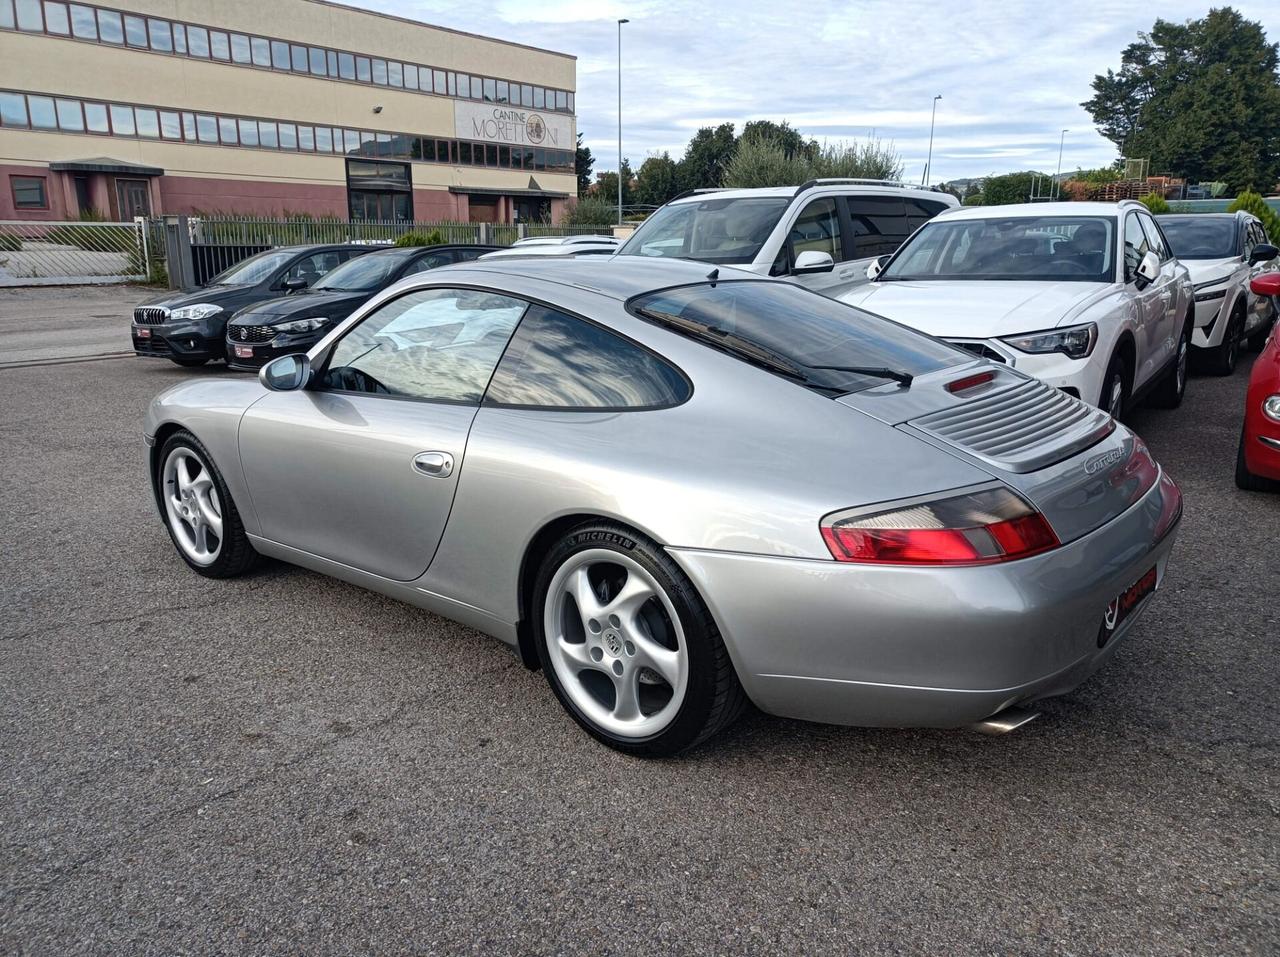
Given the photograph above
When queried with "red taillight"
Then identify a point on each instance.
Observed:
(1138, 473)
(977, 528)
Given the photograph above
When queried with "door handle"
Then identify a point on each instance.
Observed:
(435, 464)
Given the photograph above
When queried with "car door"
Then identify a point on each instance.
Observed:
(1150, 307)
(819, 228)
(879, 225)
(1171, 318)
(361, 466)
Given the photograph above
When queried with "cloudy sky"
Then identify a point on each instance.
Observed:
(1011, 78)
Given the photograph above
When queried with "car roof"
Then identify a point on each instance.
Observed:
(1029, 210)
(1236, 215)
(618, 277)
(817, 188)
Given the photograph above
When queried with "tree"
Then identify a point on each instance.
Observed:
(658, 181)
(763, 159)
(1200, 99)
(582, 166)
(706, 157)
(606, 187)
(1007, 189)
(1253, 203)
(782, 134)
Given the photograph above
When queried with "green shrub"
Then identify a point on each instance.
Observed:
(1251, 202)
(433, 238)
(591, 211)
(9, 243)
(1155, 202)
(766, 161)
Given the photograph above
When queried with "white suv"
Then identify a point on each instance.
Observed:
(1086, 296)
(823, 234)
(1224, 251)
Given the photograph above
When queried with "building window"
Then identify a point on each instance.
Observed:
(29, 192)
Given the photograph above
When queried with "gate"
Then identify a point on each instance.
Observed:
(72, 253)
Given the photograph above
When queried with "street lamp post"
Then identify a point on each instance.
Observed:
(924, 180)
(1057, 179)
(620, 23)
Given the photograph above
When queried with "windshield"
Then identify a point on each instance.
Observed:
(1200, 237)
(1036, 248)
(710, 230)
(254, 269)
(364, 272)
(802, 328)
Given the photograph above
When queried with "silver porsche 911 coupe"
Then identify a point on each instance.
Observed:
(676, 490)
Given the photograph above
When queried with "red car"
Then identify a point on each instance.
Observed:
(1258, 460)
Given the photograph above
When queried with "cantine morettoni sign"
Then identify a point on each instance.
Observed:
(502, 123)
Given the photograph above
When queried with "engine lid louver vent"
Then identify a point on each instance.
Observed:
(1020, 428)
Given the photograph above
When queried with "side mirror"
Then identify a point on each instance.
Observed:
(293, 285)
(1268, 284)
(1263, 253)
(811, 261)
(1148, 270)
(877, 266)
(286, 373)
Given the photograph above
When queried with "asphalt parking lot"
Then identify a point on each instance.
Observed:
(284, 763)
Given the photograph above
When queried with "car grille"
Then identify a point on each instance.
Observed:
(150, 315)
(1021, 428)
(252, 333)
(979, 348)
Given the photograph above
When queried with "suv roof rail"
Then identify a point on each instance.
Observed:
(857, 181)
(702, 189)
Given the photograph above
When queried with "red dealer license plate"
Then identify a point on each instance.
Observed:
(244, 352)
(144, 333)
(1122, 606)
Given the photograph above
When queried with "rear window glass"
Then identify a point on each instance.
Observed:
(802, 328)
(1201, 237)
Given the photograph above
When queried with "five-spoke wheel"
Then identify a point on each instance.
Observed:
(628, 645)
(201, 517)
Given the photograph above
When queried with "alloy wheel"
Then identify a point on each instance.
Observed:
(192, 506)
(616, 643)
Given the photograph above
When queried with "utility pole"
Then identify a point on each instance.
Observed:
(620, 23)
(924, 180)
(1057, 180)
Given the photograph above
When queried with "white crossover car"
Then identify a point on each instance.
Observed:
(1084, 296)
(1223, 252)
(822, 234)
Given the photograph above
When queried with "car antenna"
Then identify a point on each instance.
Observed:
(713, 276)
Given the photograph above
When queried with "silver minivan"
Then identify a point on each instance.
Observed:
(823, 234)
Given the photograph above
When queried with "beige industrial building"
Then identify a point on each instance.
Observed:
(287, 106)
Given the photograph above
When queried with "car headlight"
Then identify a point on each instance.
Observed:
(300, 325)
(1074, 341)
(201, 310)
(1271, 407)
(1210, 295)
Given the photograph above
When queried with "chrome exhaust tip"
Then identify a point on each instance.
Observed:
(1002, 722)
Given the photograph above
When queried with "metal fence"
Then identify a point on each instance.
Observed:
(88, 252)
(65, 253)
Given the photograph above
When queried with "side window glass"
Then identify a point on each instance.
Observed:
(430, 261)
(440, 345)
(818, 229)
(879, 225)
(1155, 239)
(557, 361)
(1135, 245)
(311, 268)
(920, 211)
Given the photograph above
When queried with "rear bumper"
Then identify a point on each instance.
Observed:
(891, 646)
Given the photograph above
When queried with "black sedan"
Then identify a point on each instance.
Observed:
(190, 327)
(260, 332)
